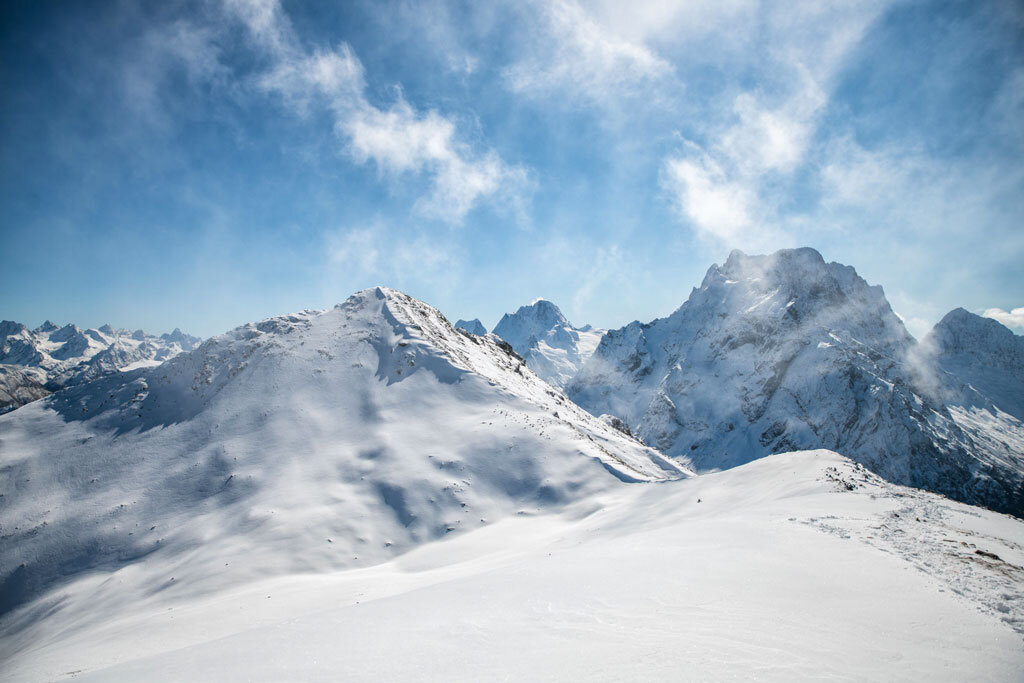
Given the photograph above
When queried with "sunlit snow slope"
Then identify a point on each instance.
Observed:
(795, 567)
(307, 442)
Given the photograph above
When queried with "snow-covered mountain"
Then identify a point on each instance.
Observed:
(551, 346)
(786, 352)
(312, 441)
(34, 363)
(983, 353)
(474, 326)
(293, 498)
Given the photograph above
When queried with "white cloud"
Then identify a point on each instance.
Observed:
(717, 207)
(605, 263)
(726, 188)
(1013, 318)
(581, 56)
(357, 250)
(398, 139)
(160, 51)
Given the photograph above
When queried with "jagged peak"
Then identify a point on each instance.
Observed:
(65, 333)
(745, 266)
(962, 317)
(540, 314)
(543, 307)
(10, 327)
(960, 330)
(473, 326)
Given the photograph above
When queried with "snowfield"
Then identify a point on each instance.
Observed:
(793, 567)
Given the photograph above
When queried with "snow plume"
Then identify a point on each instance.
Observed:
(921, 363)
(397, 138)
(1012, 318)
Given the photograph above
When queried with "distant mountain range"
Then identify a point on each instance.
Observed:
(35, 363)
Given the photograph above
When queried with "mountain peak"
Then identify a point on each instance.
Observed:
(419, 430)
(544, 312)
(782, 264)
(552, 347)
(984, 340)
(474, 326)
(10, 327)
(960, 318)
(782, 352)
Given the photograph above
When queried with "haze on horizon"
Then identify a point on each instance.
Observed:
(200, 165)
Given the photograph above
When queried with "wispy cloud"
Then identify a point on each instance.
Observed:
(605, 264)
(398, 139)
(379, 253)
(1012, 319)
(725, 187)
(718, 206)
(579, 55)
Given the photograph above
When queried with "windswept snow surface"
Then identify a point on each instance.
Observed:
(785, 352)
(326, 439)
(794, 567)
(549, 344)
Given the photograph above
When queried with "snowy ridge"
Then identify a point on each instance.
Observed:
(551, 346)
(786, 352)
(34, 363)
(325, 439)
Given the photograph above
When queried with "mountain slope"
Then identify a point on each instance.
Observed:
(795, 567)
(306, 442)
(785, 352)
(36, 362)
(549, 344)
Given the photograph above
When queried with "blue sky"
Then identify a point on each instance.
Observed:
(205, 164)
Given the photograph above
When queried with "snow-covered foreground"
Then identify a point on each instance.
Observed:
(793, 567)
